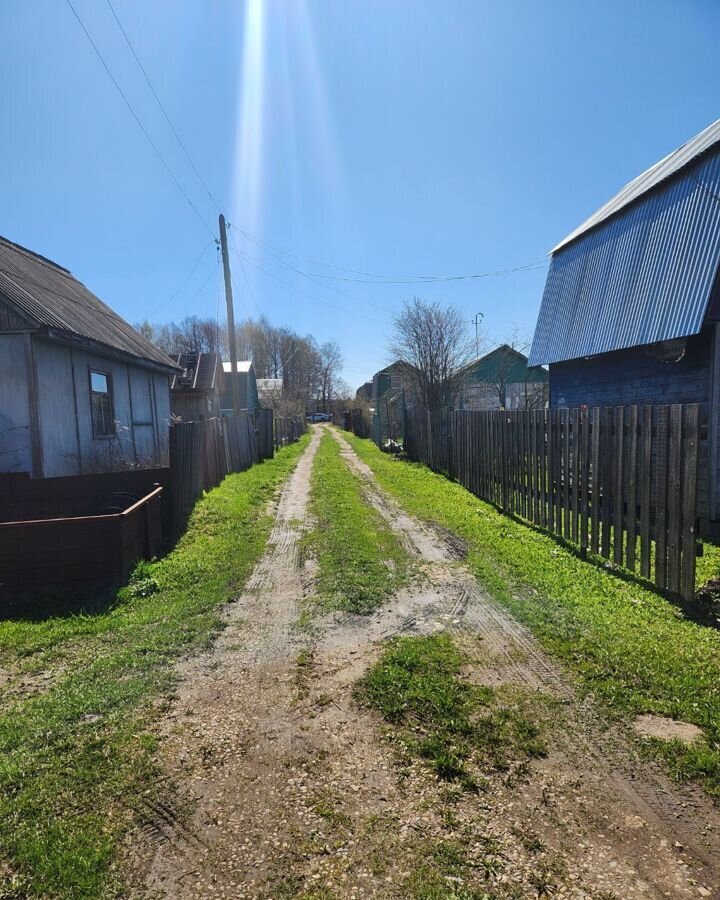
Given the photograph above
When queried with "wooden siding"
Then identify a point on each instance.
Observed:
(10, 320)
(634, 376)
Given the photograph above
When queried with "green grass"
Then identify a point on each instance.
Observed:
(630, 646)
(77, 764)
(453, 725)
(360, 561)
(443, 873)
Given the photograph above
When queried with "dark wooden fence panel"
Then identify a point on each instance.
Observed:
(202, 453)
(264, 429)
(619, 481)
(357, 421)
(288, 429)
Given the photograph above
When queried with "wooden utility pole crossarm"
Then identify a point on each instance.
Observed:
(230, 318)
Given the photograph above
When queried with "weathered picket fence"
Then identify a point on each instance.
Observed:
(202, 454)
(287, 429)
(620, 482)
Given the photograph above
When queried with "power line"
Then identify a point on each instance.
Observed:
(252, 292)
(185, 281)
(440, 279)
(137, 119)
(314, 280)
(198, 292)
(162, 108)
(313, 297)
(387, 279)
(242, 267)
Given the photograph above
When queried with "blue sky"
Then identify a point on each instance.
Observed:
(397, 137)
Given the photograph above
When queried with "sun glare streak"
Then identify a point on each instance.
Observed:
(284, 123)
(314, 83)
(249, 139)
(288, 105)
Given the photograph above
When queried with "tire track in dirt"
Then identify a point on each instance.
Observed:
(293, 790)
(686, 823)
(226, 734)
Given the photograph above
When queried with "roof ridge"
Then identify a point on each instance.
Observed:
(650, 179)
(38, 256)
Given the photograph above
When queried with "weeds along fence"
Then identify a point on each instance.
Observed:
(620, 482)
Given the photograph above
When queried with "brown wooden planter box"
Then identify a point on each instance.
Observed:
(66, 552)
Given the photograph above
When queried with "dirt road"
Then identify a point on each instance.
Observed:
(287, 788)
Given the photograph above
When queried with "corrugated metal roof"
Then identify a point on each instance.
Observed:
(199, 372)
(649, 179)
(50, 296)
(644, 275)
(504, 363)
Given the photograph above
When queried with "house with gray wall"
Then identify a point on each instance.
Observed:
(81, 391)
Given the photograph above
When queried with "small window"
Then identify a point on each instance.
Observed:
(102, 406)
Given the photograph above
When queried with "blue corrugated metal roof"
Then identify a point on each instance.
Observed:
(643, 275)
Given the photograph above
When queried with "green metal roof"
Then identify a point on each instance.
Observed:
(504, 365)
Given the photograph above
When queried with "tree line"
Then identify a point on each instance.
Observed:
(309, 371)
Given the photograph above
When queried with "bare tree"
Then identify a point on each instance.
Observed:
(330, 364)
(191, 335)
(433, 342)
(309, 372)
(514, 384)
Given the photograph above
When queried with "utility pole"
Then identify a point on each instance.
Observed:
(478, 318)
(230, 318)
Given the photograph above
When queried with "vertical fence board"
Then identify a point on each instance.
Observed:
(660, 471)
(631, 509)
(606, 422)
(689, 489)
(595, 509)
(646, 491)
(566, 474)
(619, 492)
(673, 498)
(584, 478)
(575, 487)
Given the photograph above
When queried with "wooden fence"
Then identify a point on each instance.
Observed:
(356, 421)
(618, 481)
(202, 454)
(287, 430)
(264, 430)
